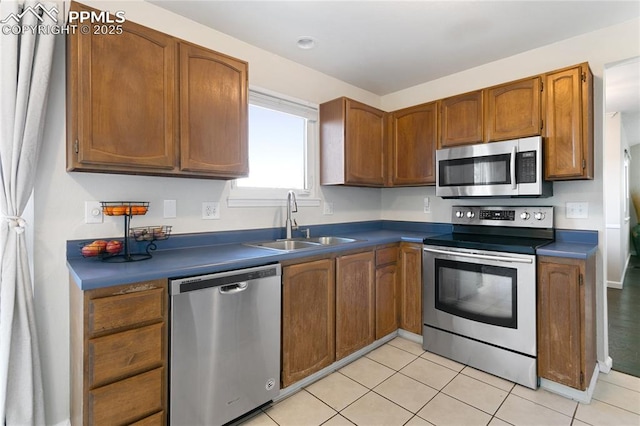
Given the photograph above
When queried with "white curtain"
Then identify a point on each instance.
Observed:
(26, 52)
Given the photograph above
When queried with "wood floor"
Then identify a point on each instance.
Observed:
(624, 321)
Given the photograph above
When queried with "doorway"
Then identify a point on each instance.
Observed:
(622, 188)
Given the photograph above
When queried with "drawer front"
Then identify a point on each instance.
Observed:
(125, 354)
(125, 310)
(128, 400)
(156, 419)
(386, 255)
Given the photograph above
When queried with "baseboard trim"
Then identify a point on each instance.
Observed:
(417, 338)
(568, 392)
(289, 390)
(614, 284)
(605, 366)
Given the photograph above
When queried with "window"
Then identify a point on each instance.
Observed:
(282, 151)
(277, 145)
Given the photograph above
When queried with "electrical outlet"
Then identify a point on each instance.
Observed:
(577, 210)
(427, 208)
(93, 212)
(170, 209)
(211, 210)
(327, 208)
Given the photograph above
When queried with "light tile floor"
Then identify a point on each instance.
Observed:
(401, 384)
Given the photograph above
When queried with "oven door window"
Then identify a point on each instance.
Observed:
(474, 171)
(483, 293)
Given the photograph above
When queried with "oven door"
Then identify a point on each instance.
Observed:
(482, 295)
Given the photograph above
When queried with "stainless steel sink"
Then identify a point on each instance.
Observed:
(331, 241)
(302, 243)
(286, 245)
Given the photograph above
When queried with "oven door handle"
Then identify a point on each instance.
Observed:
(480, 256)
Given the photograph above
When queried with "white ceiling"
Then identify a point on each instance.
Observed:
(386, 46)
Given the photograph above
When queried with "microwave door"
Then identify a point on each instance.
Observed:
(487, 172)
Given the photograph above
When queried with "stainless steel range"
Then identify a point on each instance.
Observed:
(479, 298)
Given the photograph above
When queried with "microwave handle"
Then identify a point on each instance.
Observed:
(514, 184)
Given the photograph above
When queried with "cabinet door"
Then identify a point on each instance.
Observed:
(568, 148)
(365, 145)
(461, 119)
(355, 302)
(413, 145)
(386, 300)
(411, 287)
(213, 113)
(121, 101)
(560, 322)
(308, 312)
(512, 110)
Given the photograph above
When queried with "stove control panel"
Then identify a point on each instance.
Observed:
(516, 216)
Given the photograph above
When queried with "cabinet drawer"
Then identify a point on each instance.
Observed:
(125, 310)
(156, 419)
(127, 400)
(386, 255)
(121, 355)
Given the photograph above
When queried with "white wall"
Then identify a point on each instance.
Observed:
(616, 221)
(60, 196)
(601, 47)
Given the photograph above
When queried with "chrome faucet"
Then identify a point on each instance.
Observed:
(292, 207)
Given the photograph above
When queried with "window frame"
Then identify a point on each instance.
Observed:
(240, 196)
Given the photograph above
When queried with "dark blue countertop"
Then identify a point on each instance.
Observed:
(204, 253)
(196, 254)
(571, 243)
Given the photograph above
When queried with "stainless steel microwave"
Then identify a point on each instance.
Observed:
(510, 168)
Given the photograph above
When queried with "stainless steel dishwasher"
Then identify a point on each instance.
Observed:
(224, 345)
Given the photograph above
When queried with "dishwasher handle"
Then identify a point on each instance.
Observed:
(234, 288)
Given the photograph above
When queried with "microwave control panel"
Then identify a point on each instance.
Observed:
(526, 167)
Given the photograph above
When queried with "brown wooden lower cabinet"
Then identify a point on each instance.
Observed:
(308, 319)
(566, 320)
(387, 316)
(355, 302)
(411, 287)
(127, 400)
(119, 354)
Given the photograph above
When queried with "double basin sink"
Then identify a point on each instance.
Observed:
(302, 243)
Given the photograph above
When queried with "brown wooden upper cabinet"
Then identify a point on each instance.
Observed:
(213, 113)
(352, 143)
(130, 97)
(461, 119)
(568, 106)
(413, 145)
(513, 110)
